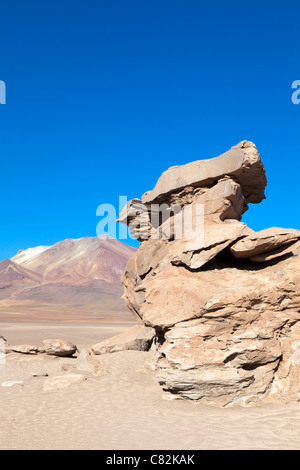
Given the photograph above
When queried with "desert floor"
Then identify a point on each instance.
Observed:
(122, 409)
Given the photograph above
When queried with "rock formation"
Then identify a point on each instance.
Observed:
(137, 338)
(51, 347)
(224, 300)
(59, 347)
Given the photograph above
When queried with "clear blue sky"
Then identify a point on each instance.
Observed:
(103, 96)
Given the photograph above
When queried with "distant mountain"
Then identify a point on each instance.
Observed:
(78, 262)
(11, 273)
(74, 278)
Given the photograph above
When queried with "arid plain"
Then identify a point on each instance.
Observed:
(121, 408)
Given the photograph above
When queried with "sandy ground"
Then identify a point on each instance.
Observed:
(78, 332)
(123, 408)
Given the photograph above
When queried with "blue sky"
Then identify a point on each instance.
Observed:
(103, 96)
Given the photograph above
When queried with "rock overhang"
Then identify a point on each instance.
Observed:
(225, 306)
(242, 162)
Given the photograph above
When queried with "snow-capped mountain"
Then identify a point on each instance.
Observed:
(77, 275)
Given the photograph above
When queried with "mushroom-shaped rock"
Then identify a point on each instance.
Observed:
(242, 162)
(223, 300)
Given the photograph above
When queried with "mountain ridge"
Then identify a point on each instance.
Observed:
(77, 260)
(79, 276)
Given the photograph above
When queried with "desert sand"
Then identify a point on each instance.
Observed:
(123, 408)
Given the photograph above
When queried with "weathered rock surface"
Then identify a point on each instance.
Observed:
(241, 162)
(62, 381)
(138, 338)
(197, 251)
(263, 241)
(86, 361)
(224, 300)
(59, 347)
(27, 349)
(52, 347)
(292, 249)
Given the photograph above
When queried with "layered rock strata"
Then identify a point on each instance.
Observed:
(224, 300)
